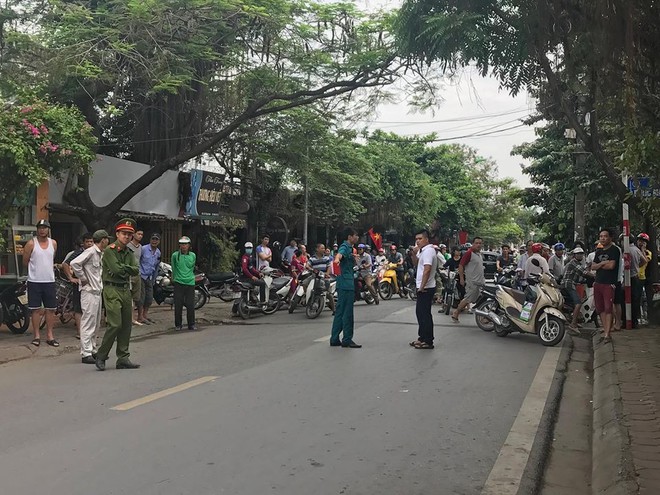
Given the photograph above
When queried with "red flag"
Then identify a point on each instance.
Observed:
(376, 238)
(462, 237)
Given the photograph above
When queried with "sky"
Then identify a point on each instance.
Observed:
(471, 105)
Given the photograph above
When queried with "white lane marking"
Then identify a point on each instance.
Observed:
(504, 478)
(323, 339)
(163, 393)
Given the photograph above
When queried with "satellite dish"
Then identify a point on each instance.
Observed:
(239, 205)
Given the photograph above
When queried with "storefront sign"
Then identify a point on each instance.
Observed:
(207, 193)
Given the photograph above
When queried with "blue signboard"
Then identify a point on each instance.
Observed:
(643, 187)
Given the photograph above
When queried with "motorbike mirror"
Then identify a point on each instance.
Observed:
(535, 262)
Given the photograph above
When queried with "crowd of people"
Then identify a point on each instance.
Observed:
(113, 278)
(120, 276)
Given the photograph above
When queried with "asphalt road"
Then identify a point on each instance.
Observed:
(287, 414)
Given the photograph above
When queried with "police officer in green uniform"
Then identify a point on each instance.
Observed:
(343, 321)
(118, 266)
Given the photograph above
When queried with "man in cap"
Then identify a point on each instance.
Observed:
(149, 263)
(83, 242)
(574, 275)
(183, 276)
(118, 266)
(39, 258)
(135, 246)
(87, 269)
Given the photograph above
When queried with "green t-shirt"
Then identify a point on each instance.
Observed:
(183, 267)
(345, 279)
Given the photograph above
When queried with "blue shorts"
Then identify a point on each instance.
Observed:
(573, 296)
(42, 293)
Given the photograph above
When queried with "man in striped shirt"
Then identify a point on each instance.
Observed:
(319, 261)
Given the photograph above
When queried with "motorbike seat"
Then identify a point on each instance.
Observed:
(518, 295)
(221, 277)
(280, 282)
(489, 289)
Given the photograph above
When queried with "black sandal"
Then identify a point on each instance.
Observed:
(36, 342)
(414, 343)
(53, 343)
(423, 345)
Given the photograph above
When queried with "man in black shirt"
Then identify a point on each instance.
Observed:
(505, 259)
(606, 266)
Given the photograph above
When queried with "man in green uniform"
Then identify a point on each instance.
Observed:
(343, 321)
(118, 266)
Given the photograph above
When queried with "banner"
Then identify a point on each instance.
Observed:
(206, 193)
(462, 237)
(376, 238)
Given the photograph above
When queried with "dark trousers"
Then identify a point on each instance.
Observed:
(424, 317)
(184, 295)
(636, 286)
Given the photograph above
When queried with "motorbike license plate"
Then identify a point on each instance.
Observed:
(23, 299)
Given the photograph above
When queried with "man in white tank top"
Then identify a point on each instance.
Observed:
(39, 258)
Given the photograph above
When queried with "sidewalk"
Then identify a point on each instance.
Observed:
(626, 417)
(14, 347)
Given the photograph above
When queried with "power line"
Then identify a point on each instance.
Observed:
(440, 121)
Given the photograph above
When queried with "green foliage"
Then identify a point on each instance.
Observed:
(40, 140)
(221, 252)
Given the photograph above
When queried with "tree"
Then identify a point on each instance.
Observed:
(577, 57)
(39, 140)
(167, 82)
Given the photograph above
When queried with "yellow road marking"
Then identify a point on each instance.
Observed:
(163, 393)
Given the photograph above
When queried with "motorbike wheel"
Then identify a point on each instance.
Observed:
(484, 323)
(243, 309)
(200, 298)
(272, 307)
(551, 333)
(449, 303)
(368, 298)
(315, 307)
(17, 317)
(294, 303)
(385, 290)
(501, 331)
(226, 294)
(412, 291)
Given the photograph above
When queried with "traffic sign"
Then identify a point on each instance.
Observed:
(644, 187)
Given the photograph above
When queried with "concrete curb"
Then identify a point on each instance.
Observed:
(612, 471)
(532, 479)
(26, 351)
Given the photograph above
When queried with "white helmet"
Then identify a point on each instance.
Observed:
(248, 245)
(184, 240)
(578, 250)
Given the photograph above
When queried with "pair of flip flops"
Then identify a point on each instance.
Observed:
(420, 345)
(52, 343)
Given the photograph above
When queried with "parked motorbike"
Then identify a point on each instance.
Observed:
(220, 285)
(277, 290)
(508, 277)
(486, 302)
(450, 298)
(316, 295)
(299, 297)
(164, 287)
(13, 307)
(536, 310)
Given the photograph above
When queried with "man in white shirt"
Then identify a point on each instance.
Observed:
(87, 268)
(264, 253)
(424, 257)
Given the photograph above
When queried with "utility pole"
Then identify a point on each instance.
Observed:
(306, 201)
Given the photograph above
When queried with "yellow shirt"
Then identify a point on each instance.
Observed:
(642, 269)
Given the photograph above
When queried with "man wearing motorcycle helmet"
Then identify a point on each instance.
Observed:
(365, 265)
(250, 274)
(575, 273)
(532, 268)
(396, 258)
(557, 261)
(381, 258)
